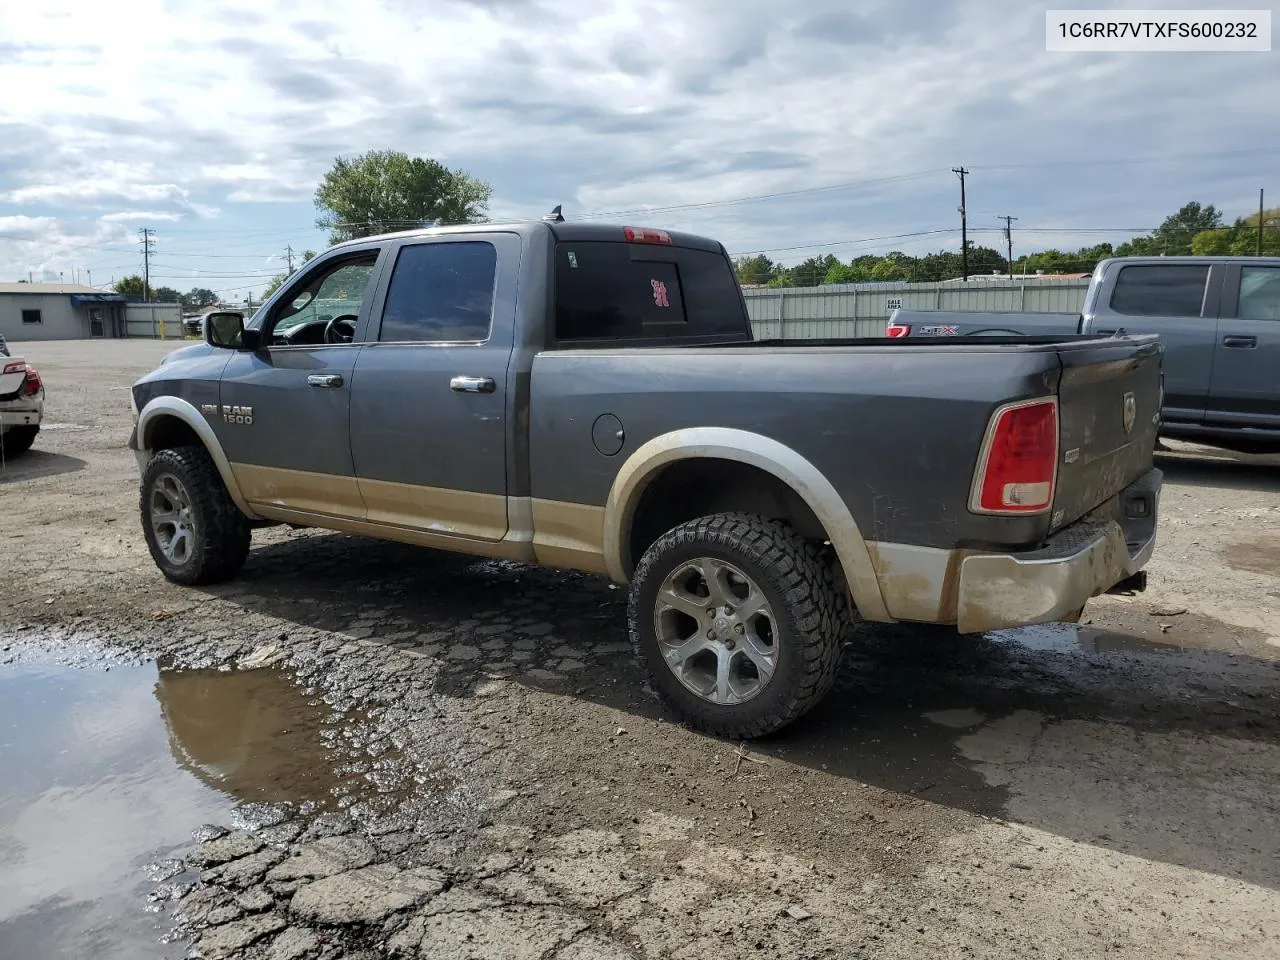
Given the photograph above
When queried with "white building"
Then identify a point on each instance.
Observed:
(59, 311)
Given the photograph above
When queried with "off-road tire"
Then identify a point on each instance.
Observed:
(221, 540)
(18, 440)
(811, 619)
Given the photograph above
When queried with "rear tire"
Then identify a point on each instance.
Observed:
(18, 440)
(195, 532)
(753, 652)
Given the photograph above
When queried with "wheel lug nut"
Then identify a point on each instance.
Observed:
(711, 634)
(739, 629)
(729, 644)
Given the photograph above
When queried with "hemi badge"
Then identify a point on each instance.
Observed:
(1071, 456)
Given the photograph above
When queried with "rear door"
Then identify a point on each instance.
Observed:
(1245, 390)
(429, 404)
(1179, 303)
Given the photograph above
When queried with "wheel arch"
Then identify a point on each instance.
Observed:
(815, 498)
(170, 422)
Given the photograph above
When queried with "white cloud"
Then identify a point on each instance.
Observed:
(620, 106)
(139, 216)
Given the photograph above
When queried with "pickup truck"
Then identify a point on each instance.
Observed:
(21, 404)
(590, 397)
(1218, 319)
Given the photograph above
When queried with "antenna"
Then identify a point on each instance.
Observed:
(555, 216)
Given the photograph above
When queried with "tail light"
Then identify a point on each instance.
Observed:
(1018, 465)
(645, 235)
(896, 331)
(18, 366)
(31, 383)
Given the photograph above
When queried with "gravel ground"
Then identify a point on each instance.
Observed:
(1059, 792)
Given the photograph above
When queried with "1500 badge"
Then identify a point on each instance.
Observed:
(229, 414)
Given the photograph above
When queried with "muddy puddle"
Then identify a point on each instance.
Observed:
(1076, 638)
(109, 770)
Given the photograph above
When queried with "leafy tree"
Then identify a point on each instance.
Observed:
(388, 190)
(1241, 238)
(199, 297)
(1174, 236)
(892, 268)
(278, 280)
(166, 295)
(132, 287)
(757, 269)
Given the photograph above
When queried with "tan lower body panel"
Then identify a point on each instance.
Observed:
(299, 490)
(457, 513)
(917, 583)
(569, 535)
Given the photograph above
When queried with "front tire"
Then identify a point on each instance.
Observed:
(194, 530)
(18, 440)
(738, 622)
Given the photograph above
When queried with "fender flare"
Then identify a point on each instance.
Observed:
(742, 446)
(183, 410)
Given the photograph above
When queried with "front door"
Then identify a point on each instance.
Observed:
(95, 322)
(429, 404)
(284, 414)
(1246, 367)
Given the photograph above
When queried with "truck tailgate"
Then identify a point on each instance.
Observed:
(1108, 417)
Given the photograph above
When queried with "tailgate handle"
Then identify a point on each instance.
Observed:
(1244, 343)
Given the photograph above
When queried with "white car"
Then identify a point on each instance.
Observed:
(21, 405)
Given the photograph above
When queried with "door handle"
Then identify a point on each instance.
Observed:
(330, 380)
(1245, 343)
(472, 384)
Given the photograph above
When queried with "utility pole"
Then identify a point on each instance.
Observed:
(1008, 239)
(961, 172)
(288, 253)
(147, 244)
(1259, 221)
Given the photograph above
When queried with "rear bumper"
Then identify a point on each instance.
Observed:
(24, 412)
(1053, 583)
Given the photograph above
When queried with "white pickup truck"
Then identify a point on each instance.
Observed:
(21, 404)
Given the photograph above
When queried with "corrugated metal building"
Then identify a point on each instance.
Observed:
(861, 309)
(59, 311)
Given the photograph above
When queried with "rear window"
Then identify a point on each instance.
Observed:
(624, 291)
(1159, 290)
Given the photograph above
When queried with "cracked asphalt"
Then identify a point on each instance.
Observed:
(411, 754)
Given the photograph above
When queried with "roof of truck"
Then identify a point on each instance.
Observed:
(1267, 261)
(567, 230)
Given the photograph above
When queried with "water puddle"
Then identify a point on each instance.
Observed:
(109, 770)
(1074, 638)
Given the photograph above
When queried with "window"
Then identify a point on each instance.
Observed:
(31, 316)
(325, 308)
(1259, 293)
(440, 293)
(610, 291)
(1160, 290)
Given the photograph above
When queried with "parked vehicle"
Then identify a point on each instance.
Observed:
(1218, 318)
(21, 405)
(589, 397)
(193, 324)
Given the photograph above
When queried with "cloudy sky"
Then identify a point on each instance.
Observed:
(811, 127)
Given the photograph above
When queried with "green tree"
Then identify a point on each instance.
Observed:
(1241, 238)
(385, 190)
(132, 287)
(757, 269)
(278, 280)
(199, 297)
(1174, 236)
(166, 295)
(894, 267)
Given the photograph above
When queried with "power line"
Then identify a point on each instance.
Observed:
(961, 172)
(1008, 238)
(147, 244)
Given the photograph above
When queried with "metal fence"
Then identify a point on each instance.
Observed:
(861, 309)
(156, 320)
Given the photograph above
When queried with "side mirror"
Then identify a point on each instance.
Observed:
(227, 330)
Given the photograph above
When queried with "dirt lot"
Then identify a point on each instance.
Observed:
(467, 762)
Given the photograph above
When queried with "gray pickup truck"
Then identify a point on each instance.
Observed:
(1218, 319)
(590, 397)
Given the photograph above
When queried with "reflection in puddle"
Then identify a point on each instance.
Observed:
(1073, 638)
(106, 771)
